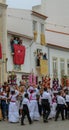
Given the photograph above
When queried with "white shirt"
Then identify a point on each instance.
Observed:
(61, 100)
(26, 102)
(46, 95)
(67, 98)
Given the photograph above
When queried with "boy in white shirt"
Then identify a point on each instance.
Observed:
(25, 110)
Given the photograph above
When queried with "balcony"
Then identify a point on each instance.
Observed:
(42, 66)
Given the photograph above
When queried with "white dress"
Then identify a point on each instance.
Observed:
(13, 109)
(53, 108)
(34, 113)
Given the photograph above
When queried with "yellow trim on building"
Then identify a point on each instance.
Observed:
(35, 35)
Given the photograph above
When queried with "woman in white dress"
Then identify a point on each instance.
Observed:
(34, 112)
(13, 107)
(54, 105)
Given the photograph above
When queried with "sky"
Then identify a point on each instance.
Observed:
(23, 4)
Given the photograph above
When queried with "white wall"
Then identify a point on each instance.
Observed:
(3, 1)
(57, 39)
(58, 14)
(20, 21)
(58, 54)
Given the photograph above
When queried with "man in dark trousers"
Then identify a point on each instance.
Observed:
(46, 103)
(60, 105)
(67, 108)
(25, 110)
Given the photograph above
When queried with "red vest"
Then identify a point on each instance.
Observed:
(0, 51)
(19, 54)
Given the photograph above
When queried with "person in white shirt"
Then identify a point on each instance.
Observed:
(46, 103)
(3, 104)
(67, 108)
(60, 106)
(25, 110)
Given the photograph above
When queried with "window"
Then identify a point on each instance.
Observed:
(42, 28)
(55, 68)
(62, 67)
(68, 67)
(34, 25)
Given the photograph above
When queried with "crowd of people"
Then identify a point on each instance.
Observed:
(32, 101)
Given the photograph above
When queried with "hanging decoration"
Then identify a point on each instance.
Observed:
(32, 79)
(55, 84)
(65, 81)
(46, 81)
(17, 50)
(19, 54)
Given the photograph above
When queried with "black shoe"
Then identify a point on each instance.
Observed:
(55, 119)
(63, 119)
(30, 122)
(45, 121)
(22, 124)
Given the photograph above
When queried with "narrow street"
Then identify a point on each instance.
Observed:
(51, 125)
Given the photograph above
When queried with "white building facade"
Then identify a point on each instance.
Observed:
(38, 37)
(29, 25)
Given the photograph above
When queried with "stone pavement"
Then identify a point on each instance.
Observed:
(37, 125)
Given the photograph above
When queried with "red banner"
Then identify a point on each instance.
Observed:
(19, 54)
